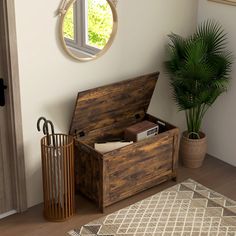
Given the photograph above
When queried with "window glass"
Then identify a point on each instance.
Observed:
(88, 27)
(68, 27)
(99, 23)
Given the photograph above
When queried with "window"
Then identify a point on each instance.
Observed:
(88, 25)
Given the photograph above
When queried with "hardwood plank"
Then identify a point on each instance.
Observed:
(118, 102)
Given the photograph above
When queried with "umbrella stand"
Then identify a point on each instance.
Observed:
(58, 177)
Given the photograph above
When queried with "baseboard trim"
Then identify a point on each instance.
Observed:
(218, 159)
(4, 215)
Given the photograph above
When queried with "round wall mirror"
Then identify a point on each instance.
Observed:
(88, 28)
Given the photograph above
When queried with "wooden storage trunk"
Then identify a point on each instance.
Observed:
(102, 114)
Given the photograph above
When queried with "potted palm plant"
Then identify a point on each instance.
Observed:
(199, 68)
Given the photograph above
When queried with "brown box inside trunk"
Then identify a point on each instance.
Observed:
(102, 114)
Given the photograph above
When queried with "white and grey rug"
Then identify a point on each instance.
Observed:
(185, 209)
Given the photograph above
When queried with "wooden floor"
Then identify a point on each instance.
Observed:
(214, 174)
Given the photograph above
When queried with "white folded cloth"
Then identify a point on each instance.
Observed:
(110, 146)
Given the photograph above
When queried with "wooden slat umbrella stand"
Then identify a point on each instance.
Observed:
(58, 173)
(58, 176)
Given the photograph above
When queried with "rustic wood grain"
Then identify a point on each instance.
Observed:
(102, 114)
(101, 107)
(114, 131)
(88, 172)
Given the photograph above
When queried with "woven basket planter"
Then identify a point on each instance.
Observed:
(193, 151)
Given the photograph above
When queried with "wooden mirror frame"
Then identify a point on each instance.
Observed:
(66, 5)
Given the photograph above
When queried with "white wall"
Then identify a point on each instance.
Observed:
(50, 80)
(220, 122)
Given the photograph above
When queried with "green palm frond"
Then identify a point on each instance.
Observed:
(177, 44)
(213, 35)
(195, 52)
(200, 68)
(176, 50)
(221, 84)
(222, 63)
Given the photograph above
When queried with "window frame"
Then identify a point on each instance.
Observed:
(80, 30)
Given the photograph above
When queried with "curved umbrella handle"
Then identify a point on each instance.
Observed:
(38, 122)
(53, 133)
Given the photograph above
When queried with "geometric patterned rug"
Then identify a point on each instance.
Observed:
(185, 209)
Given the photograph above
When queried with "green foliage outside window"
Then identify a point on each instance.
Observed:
(68, 26)
(100, 22)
